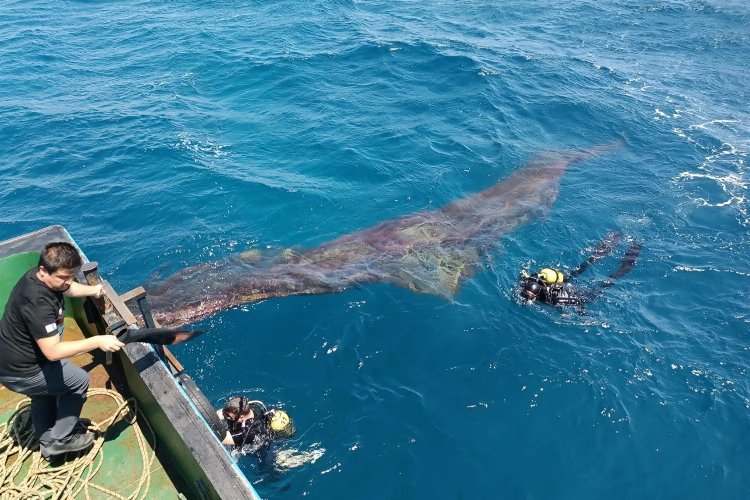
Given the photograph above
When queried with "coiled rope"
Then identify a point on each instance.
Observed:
(24, 474)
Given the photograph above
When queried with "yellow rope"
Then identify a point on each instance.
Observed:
(25, 475)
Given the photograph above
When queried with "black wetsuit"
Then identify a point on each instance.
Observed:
(565, 294)
(560, 295)
(254, 432)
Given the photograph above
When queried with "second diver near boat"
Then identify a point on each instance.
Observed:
(553, 287)
(252, 426)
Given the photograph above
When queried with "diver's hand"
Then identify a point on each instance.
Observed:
(109, 343)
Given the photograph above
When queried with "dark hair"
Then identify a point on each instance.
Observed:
(236, 405)
(59, 255)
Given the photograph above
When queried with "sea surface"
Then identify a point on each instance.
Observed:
(163, 134)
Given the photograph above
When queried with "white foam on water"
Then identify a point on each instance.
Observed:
(208, 148)
(335, 467)
(690, 269)
(705, 125)
(723, 166)
(292, 458)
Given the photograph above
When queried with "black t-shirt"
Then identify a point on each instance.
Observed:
(33, 312)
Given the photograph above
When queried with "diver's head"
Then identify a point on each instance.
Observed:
(531, 289)
(281, 424)
(237, 408)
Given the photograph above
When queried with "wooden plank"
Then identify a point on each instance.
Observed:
(134, 294)
(173, 361)
(118, 304)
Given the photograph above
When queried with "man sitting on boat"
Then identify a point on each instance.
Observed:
(33, 356)
(251, 426)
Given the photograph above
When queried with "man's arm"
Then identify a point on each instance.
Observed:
(80, 290)
(55, 350)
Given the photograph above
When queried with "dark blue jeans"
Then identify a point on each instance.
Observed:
(57, 394)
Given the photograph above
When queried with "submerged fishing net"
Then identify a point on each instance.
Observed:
(428, 252)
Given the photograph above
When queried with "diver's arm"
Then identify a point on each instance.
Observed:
(228, 437)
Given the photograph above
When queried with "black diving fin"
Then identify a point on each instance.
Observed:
(628, 261)
(626, 265)
(603, 248)
(159, 336)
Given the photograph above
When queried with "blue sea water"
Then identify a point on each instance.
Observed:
(162, 134)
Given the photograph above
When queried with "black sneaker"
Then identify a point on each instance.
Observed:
(76, 443)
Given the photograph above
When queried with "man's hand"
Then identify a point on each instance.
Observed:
(54, 349)
(109, 343)
(99, 291)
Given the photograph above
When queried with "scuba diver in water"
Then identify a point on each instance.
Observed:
(552, 287)
(250, 424)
